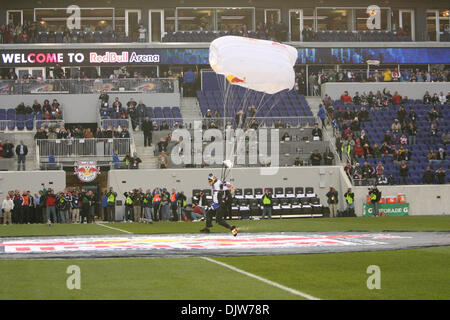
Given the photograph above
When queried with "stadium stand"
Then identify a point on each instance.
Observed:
(379, 121)
(334, 45)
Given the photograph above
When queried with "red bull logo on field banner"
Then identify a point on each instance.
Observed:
(87, 171)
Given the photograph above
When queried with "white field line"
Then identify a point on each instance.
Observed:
(274, 284)
(101, 224)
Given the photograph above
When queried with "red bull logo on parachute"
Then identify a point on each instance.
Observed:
(233, 79)
(87, 171)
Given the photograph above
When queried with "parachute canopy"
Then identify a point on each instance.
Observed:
(260, 65)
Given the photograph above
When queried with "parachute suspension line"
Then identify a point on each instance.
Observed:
(244, 100)
(228, 101)
(220, 84)
(225, 100)
(224, 90)
(261, 103)
(273, 105)
(238, 103)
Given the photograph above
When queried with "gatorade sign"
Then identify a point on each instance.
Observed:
(388, 209)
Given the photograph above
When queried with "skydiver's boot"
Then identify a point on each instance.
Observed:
(205, 230)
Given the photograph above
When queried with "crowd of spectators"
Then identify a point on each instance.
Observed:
(315, 79)
(72, 205)
(78, 132)
(136, 111)
(272, 30)
(155, 205)
(48, 111)
(77, 205)
(28, 32)
(352, 142)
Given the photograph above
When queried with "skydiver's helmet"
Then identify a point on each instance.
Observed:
(212, 179)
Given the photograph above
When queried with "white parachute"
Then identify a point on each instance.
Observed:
(260, 65)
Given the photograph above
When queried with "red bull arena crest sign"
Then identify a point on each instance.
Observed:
(87, 171)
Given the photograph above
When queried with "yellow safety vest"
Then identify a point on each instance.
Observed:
(266, 200)
(129, 201)
(349, 199)
(111, 198)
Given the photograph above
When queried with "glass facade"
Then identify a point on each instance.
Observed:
(334, 19)
(361, 17)
(195, 19)
(91, 19)
(238, 19)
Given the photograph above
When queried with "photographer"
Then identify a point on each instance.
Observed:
(104, 98)
(333, 200)
(75, 205)
(87, 206)
(63, 206)
(128, 206)
(350, 200)
(50, 203)
(375, 196)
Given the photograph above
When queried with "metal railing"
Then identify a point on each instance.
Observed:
(333, 149)
(82, 148)
(48, 124)
(50, 166)
(364, 182)
(266, 122)
(79, 86)
(132, 146)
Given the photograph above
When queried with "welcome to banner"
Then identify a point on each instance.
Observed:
(200, 56)
(388, 209)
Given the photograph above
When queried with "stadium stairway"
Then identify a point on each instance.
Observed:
(15, 138)
(314, 103)
(190, 109)
(149, 160)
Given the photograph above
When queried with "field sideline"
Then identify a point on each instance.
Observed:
(405, 274)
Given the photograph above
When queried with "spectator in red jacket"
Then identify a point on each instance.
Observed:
(358, 150)
(346, 98)
(50, 203)
(396, 98)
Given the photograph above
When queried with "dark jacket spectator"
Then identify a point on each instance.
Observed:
(8, 149)
(315, 158)
(328, 157)
(428, 176)
(404, 172)
(317, 132)
(440, 175)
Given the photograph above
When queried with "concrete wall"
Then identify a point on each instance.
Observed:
(423, 200)
(31, 180)
(82, 108)
(414, 90)
(320, 178)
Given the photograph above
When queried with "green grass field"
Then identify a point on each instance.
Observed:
(405, 274)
